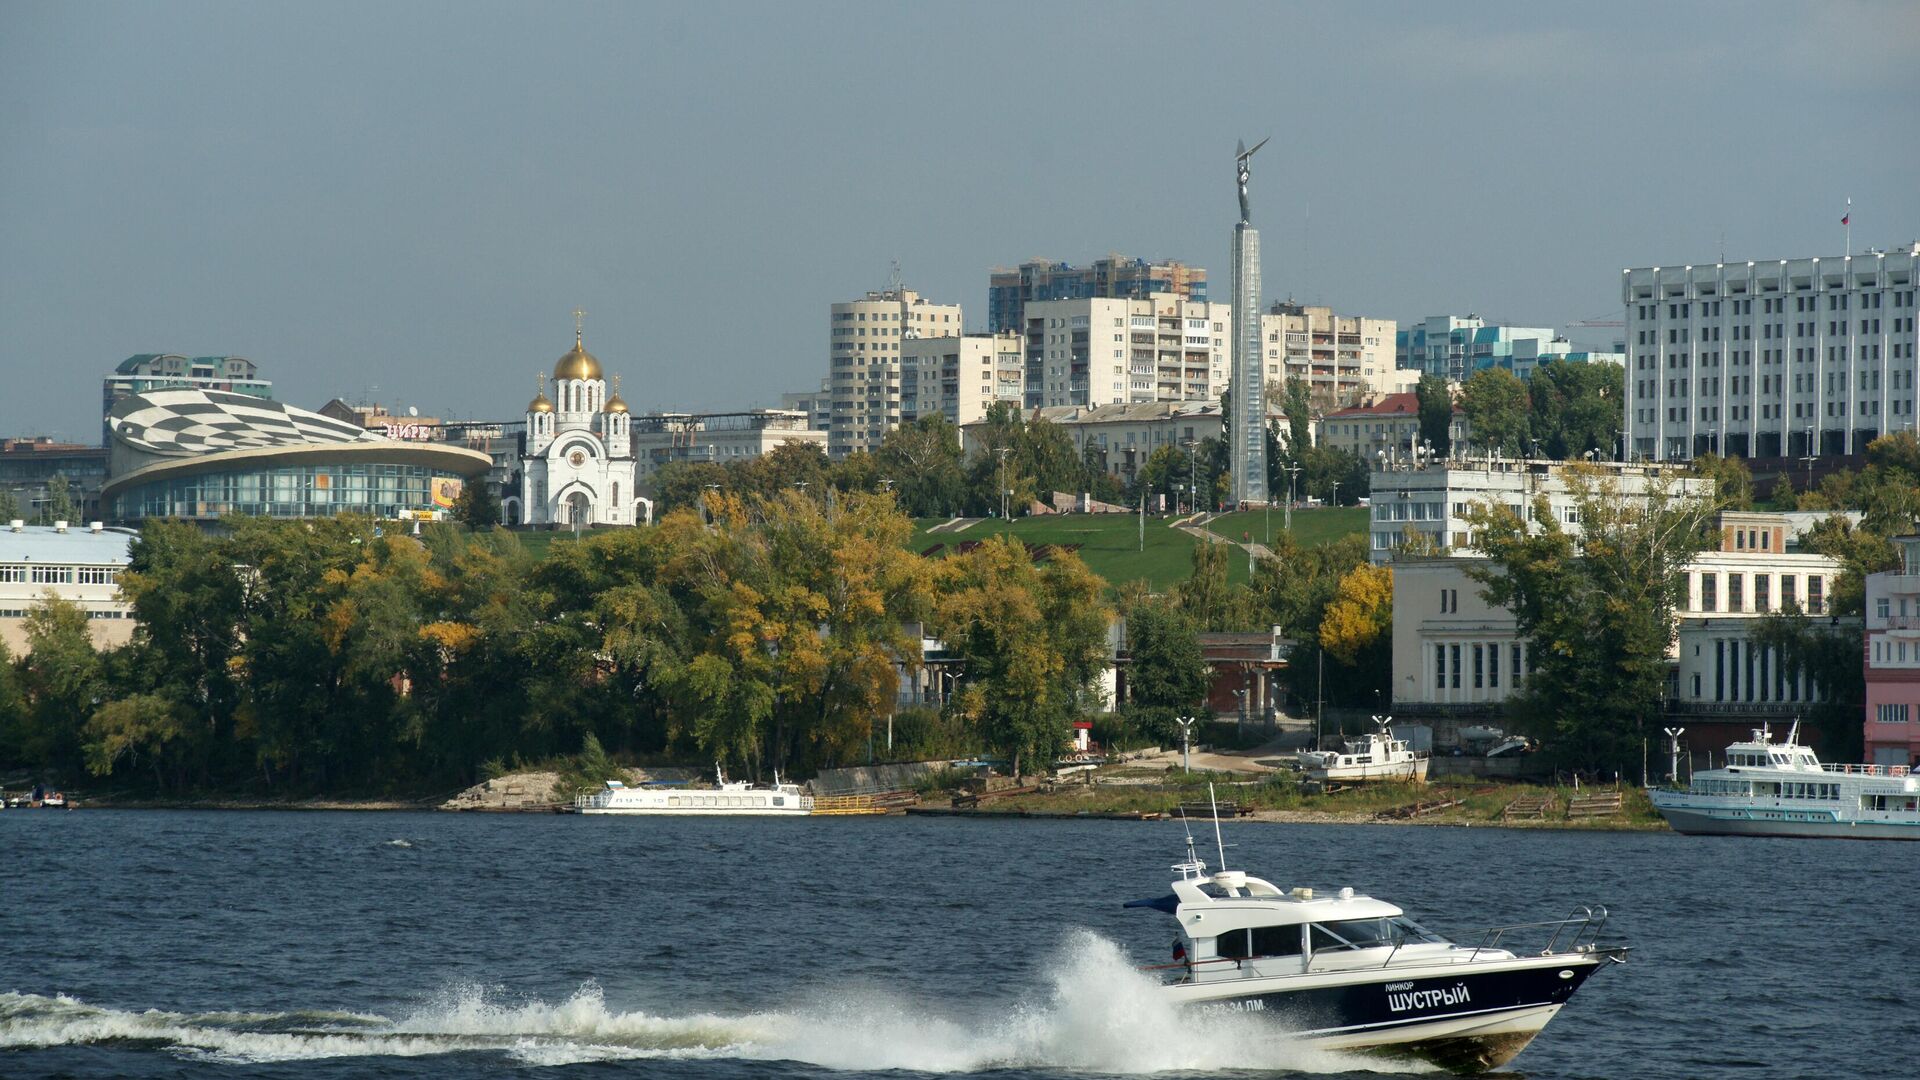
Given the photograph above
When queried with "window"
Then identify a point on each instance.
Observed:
(53, 575)
(1788, 596)
(99, 575)
(1736, 592)
(1883, 608)
(1709, 592)
(1891, 714)
(1816, 602)
(1276, 941)
(1762, 592)
(13, 574)
(1479, 666)
(1455, 649)
(1440, 667)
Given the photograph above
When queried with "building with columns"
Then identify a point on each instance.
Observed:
(576, 458)
(1455, 653)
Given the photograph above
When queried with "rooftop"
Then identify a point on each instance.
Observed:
(77, 544)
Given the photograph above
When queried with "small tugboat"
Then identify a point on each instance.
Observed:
(1374, 756)
(725, 799)
(1782, 789)
(1350, 972)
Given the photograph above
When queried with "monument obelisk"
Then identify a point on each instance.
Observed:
(1247, 427)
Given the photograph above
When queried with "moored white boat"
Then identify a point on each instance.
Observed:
(1782, 789)
(1373, 756)
(1351, 972)
(726, 799)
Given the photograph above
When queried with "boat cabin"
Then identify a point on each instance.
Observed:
(1241, 927)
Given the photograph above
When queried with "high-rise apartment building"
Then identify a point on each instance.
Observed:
(1114, 277)
(1457, 346)
(1105, 351)
(1344, 359)
(817, 405)
(960, 377)
(1786, 358)
(865, 349)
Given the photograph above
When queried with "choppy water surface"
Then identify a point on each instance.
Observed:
(413, 945)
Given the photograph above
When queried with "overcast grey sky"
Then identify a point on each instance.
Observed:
(413, 196)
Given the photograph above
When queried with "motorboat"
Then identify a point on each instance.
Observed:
(1783, 789)
(725, 799)
(1376, 755)
(1351, 972)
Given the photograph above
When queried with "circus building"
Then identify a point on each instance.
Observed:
(576, 465)
(201, 455)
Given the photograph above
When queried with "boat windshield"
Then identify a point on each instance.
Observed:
(1391, 932)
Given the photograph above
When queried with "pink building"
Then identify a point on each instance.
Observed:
(1893, 660)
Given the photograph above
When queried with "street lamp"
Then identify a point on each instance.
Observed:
(1333, 499)
(1005, 493)
(1293, 471)
(1186, 741)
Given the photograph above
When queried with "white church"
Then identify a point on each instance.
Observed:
(576, 466)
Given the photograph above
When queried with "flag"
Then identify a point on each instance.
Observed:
(1847, 218)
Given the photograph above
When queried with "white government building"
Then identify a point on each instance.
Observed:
(1767, 359)
(576, 467)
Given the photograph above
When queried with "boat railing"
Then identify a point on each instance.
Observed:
(1869, 770)
(1584, 924)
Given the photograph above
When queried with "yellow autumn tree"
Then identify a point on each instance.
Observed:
(1361, 613)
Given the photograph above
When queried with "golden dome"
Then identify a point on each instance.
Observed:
(616, 404)
(577, 364)
(540, 403)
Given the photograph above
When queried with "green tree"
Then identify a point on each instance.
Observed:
(1167, 675)
(59, 502)
(133, 726)
(9, 506)
(1860, 551)
(63, 679)
(1732, 480)
(924, 463)
(1576, 407)
(1597, 610)
(476, 508)
(1496, 407)
(1435, 399)
(1032, 639)
(1205, 597)
(1829, 656)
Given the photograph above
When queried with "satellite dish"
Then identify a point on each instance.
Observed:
(412, 411)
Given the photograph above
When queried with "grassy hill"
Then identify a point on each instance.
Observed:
(1110, 543)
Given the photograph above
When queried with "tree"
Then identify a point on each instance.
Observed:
(63, 680)
(1205, 596)
(1496, 408)
(130, 727)
(1860, 551)
(59, 503)
(1032, 639)
(1361, 614)
(924, 462)
(1435, 401)
(1829, 656)
(1732, 480)
(9, 506)
(1596, 610)
(1167, 674)
(476, 508)
(1575, 407)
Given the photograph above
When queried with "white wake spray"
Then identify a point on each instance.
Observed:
(1097, 1014)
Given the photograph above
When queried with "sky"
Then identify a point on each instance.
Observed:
(403, 202)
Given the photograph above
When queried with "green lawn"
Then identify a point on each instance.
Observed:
(1310, 527)
(1110, 544)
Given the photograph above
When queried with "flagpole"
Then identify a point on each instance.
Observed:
(1847, 220)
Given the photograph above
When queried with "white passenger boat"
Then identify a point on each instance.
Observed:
(1350, 972)
(1374, 756)
(1782, 789)
(726, 799)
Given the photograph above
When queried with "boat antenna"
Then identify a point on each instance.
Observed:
(1217, 842)
(1793, 733)
(1193, 867)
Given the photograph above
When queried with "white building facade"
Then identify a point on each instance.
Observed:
(867, 339)
(719, 438)
(1785, 358)
(81, 565)
(960, 377)
(1429, 496)
(576, 465)
(1344, 359)
(1093, 352)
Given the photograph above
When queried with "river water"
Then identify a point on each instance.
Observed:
(225, 944)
